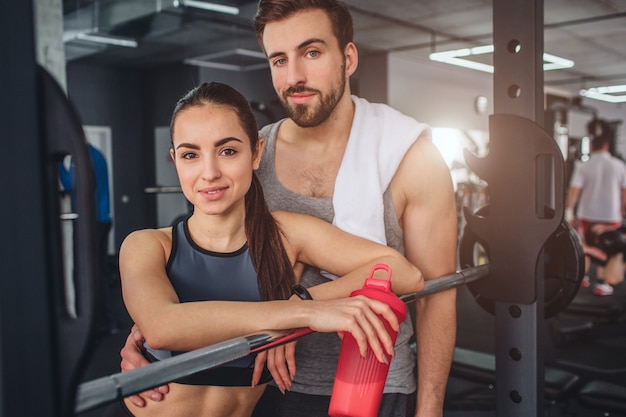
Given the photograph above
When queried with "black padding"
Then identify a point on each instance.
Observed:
(559, 384)
(481, 367)
(612, 242)
(602, 307)
(473, 365)
(604, 396)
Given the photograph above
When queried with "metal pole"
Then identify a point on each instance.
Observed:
(518, 90)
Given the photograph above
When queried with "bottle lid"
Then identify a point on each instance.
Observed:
(380, 289)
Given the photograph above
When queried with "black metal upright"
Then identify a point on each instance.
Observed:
(518, 90)
(44, 345)
(524, 172)
(26, 334)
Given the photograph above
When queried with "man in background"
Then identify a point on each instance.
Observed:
(597, 193)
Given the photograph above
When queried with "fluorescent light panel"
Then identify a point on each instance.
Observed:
(106, 39)
(213, 7)
(606, 93)
(456, 57)
(212, 60)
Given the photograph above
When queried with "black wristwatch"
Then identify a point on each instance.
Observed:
(301, 292)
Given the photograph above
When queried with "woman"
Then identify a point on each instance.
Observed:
(192, 284)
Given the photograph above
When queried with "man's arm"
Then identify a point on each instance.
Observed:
(424, 196)
(133, 358)
(570, 204)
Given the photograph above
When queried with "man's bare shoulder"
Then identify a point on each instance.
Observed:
(425, 152)
(421, 173)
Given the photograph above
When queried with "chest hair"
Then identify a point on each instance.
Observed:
(308, 173)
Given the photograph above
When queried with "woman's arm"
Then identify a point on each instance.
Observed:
(167, 324)
(315, 242)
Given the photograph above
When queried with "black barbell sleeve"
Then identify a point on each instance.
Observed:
(457, 279)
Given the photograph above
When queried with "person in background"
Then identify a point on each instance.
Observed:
(103, 224)
(597, 195)
(194, 284)
(607, 247)
(373, 172)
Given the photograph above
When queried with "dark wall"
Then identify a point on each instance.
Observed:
(132, 102)
(255, 85)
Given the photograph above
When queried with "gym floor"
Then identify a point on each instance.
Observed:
(591, 345)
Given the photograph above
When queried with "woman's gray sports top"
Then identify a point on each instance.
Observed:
(201, 275)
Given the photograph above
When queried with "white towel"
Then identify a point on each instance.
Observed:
(379, 138)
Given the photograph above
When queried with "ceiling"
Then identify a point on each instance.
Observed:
(592, 33)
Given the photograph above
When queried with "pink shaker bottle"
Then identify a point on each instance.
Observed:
(359, 381)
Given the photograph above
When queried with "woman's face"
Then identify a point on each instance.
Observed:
(213, 158)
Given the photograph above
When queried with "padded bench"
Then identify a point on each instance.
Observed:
(603, 396)
(608, 308)
(480, 367)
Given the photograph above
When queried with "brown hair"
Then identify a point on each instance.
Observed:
(275, 10)
(600, 132)
(274, 270)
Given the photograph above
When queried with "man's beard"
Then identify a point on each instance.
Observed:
(307, 116)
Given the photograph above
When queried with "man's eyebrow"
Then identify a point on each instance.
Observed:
(301, 46)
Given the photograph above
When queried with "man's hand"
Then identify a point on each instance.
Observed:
(132, 358)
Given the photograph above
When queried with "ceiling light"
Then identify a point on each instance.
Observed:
(456, 57)
(237, 59)
(105, 39)
(213, 7)
(606, 93)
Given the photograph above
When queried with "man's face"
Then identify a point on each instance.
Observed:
(308, 68)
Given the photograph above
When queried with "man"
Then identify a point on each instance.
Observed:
(311, 54)
(597, 192)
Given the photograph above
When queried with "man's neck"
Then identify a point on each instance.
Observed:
(308, 159)
(601, 150)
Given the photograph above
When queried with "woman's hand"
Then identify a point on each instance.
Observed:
(361, 317)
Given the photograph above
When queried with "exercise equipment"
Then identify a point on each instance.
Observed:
(101, 391)
(604, 396)
(612, 242)
(104, 390)
(480, 367)
(74, 314)
(524, 170)
(564, 265)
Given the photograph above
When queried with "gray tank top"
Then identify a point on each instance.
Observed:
(317, 354)
(201, 275)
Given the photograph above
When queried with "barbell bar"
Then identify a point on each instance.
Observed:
(101, 391)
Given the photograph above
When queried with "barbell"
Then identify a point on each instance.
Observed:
(105, 390)
(564, 265)
(564, 270)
